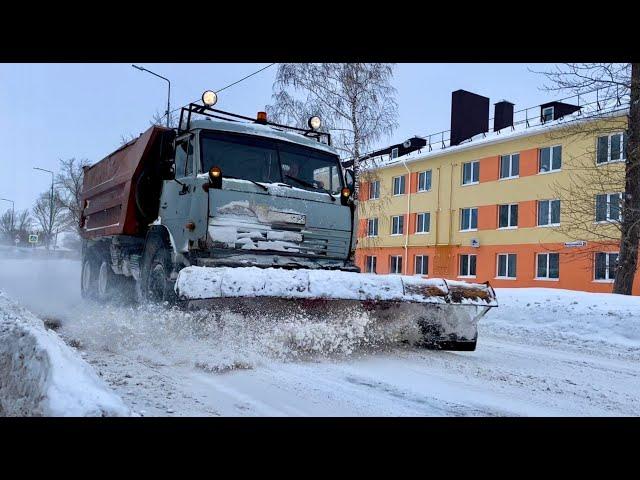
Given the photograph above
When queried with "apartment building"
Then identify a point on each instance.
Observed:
(496, 208)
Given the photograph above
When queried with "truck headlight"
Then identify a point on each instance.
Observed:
(315, 123)
(209, 98)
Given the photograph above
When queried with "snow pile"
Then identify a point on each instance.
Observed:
(41, 376)
(565, 316)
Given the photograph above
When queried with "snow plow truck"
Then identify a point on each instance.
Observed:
(231, 212)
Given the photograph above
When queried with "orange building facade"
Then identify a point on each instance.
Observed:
(498, 210)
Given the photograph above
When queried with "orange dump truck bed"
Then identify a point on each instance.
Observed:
(108, 190)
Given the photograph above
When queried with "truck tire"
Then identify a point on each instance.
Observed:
(89, 276)
(105, 285)
(156, 284)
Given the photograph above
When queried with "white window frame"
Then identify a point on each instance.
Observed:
(508, 255)
(553, 111)
(509, 226)
(546, 225)
(402, 182)
(607, 279)
(374, 190)
(370, 261)
(551, 169)
(428, 224)
(370, 222)
(425, 180)
(393, 219)
(623, 153)
(511, 175)
(608, 218)
(398, 263)
(477, 169)
(547, 277)
(394, 153)
(468, 255)
(415, 264)
(470, 229)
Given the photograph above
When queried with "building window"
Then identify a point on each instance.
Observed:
(467, 265)
(548, 265)
(396, 264)
(468, 219)
(608, 207)
(397, 225)
(612, 148)
(422, 265)
(374, 190)
(506, 265)
(548, 212)
(547, 114)
(370, 264)
(372, 227)
(605, 267)
(423, 222)
(510, 165)
(394, 153)
(550, 159)
(470, 173)
(424, 181)
(398, 185)
(508, 216)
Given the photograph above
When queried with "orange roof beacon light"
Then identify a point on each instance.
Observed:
(209, 98)
(262, 117)
(345, 193)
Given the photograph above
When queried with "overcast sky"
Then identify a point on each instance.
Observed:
(54, 111)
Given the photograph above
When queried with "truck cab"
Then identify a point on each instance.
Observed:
(251, 194)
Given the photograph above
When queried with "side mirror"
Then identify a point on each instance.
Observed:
(167, 165)
(350, 179)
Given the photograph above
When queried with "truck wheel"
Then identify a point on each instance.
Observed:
(106, 282)
(88, 277)
(157, 285)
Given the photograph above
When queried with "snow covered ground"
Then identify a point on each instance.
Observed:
(542, 352)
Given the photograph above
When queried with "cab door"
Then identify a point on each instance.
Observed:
(175, 202)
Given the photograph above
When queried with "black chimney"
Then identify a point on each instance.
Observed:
(502, 115)
(469, 115)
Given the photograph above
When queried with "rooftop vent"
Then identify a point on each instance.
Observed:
(502, 115)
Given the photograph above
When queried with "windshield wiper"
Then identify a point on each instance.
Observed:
(311, 185)
(266, 189)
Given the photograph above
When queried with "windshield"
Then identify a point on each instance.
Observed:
(270, 161)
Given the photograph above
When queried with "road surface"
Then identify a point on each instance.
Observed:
(538, 354)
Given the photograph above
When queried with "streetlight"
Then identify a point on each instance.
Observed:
(13, 211)
(142, 69)
(51, 204)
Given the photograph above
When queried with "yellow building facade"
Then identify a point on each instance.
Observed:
(508, 208)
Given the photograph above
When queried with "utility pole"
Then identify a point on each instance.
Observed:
(50, 204)
(13, 211)
(142, 69)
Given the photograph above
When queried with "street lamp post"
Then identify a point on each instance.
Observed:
(13, 211)
(142, 69)
(51, 201)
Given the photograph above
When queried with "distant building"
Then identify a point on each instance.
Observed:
(484, 205)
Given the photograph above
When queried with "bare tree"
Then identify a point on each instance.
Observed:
(50, 216)
(69, 186)
(617, 85)
(356, 101)
(7, 224)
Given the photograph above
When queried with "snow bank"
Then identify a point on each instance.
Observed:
(567, 316)
(41, 376)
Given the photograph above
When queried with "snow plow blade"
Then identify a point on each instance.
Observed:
(446, 312)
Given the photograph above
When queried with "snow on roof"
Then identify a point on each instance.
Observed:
(263, 131)
(519, 130)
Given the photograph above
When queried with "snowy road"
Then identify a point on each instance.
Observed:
(542, 352)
